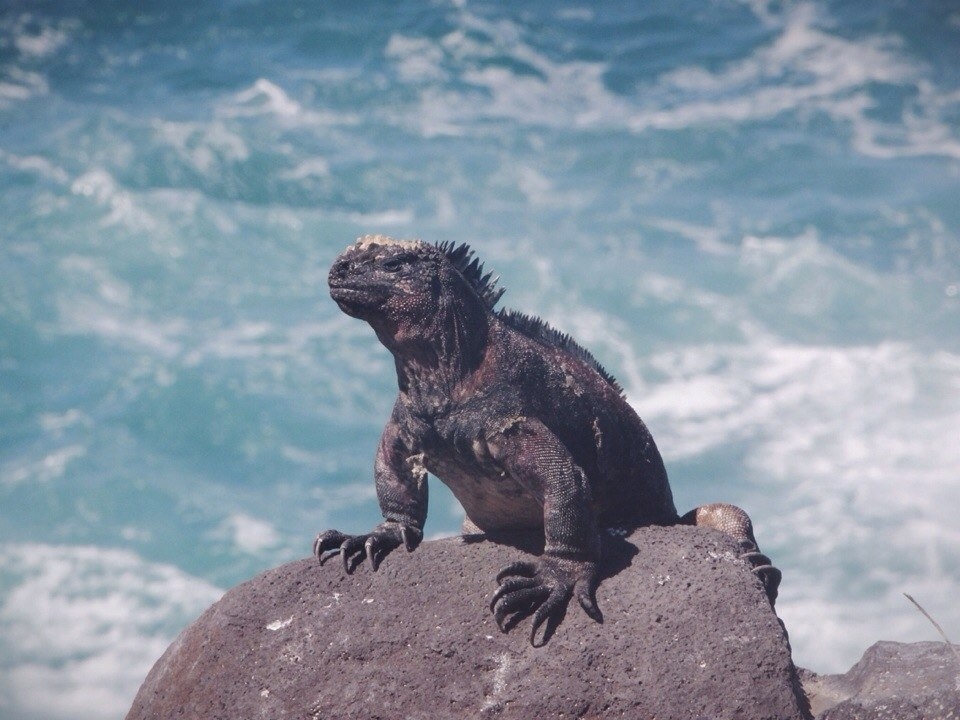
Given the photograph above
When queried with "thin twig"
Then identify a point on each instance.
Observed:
(936, 625)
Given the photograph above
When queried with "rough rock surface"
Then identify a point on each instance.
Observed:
(687, 633)
(892, 681)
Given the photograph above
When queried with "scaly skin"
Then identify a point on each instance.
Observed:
(523, 425)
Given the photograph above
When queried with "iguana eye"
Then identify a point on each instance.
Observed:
(393, 264)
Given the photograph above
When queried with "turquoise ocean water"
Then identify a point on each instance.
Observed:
(748, 210)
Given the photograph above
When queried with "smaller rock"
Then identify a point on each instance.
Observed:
(892, 681)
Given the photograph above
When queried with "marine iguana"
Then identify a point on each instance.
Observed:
(521, 422)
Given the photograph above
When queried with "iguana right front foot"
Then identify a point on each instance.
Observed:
(374, 545)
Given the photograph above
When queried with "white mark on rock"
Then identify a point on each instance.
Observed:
(264, 693)
(367, 601)
(278, 624)
(725, 556)
(336, 601)
(499, 681)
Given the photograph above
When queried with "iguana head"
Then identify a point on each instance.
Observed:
(409, 289)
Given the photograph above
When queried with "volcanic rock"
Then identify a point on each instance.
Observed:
(892, 681)
(687, 633)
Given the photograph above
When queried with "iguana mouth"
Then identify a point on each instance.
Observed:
(352, 299)
(351, 296)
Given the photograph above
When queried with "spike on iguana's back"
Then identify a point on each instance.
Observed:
(534, 327)
(463, 259)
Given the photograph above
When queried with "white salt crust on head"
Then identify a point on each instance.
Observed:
(365, 241)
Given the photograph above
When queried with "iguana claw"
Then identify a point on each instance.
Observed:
(374, 545)
(543, 589)
(326, 541)
(769, 575)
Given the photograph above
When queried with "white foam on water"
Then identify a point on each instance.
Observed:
(207, 147)
(266, 99)
(386, 218)
(247, 534)
(56, 423)
(89, 316)
(803, 70)
(20, 85)
(311, 167)
(924, 130)
(81, 626)
(707, 238)
(555, 94)
(34, 36)
(244, 340)
(123, 208)
(851, 468)
(417, 59)
(51, 466)
(31, 39)
(41, 166)
(807, 69)
(804, 67)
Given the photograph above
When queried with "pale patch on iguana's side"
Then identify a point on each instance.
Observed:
(521, 422)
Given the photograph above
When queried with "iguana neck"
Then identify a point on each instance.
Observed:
(432, 360)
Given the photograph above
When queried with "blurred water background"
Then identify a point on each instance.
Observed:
(748, 210)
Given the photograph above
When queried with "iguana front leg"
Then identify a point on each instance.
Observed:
(402, 492)
(533, 456)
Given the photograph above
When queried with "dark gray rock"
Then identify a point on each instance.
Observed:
(687, 633)
(892, 681)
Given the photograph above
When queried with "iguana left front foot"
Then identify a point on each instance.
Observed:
(543, 588)
(736, 523)
(763, 568)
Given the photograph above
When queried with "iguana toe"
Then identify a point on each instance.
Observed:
(374, 545)
(327, 541)
(520, 567)
(555, 602)
(512, 586)
(517, 605)
(354, 545)
(588, 601)
(769, 575)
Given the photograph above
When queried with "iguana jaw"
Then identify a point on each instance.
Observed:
(356, 301)
(357, 287)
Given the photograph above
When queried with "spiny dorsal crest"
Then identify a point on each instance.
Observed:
(463, 259)
(537, 329)
(471, 268)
